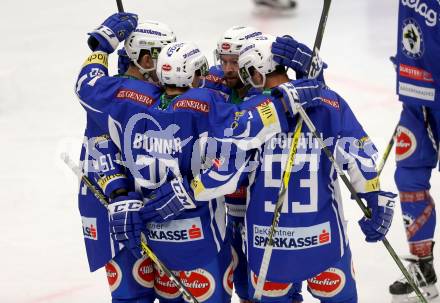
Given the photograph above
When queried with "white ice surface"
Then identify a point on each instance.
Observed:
(43, 46)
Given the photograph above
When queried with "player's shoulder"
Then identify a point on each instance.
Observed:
(138, 91)
(257, 100)
(197, 100)
(332, 101)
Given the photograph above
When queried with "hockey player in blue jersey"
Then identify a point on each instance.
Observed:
(312, 226)
(417, 141)
(151, 143)
(130, 279)
(225, 79)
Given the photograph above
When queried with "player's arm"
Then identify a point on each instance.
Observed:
(94, 87)
(356, 153)
(110, 170)
(177, 196)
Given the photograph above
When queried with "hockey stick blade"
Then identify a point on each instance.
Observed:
(144, 246)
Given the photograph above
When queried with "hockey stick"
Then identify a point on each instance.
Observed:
(313, 69)
(354, 194)
(386, 152)
(145, 248)
(120, 6)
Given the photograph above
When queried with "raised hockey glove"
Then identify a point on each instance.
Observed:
(123, 61)
(126, 225)
(381, 205)
(290, 53)
(113, 30)
(168, 202)
(307, 93)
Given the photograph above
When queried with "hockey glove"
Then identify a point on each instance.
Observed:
(123, 61)
(126, 225)
(290, 53)
(113, 30)
(307, 93)
(167, 202)
(215, 80)
(381, 205)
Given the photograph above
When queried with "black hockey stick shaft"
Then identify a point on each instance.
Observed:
(386, 152)
(144, 246)
(312, 69)
(120, 6)
(354, 194)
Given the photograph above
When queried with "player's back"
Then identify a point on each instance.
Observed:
(312, 226)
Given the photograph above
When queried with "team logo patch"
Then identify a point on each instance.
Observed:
(166, 67)
(143, 272)
(214, 78)
(114, 275)
(406, 143)
(328, 283)
(272, 289)
(413, 45)
(90, 230)
(228, 278)
(163, 286)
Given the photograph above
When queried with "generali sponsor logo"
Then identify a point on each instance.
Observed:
(328, 283)
(293, 238)
(135, 96)
(185, 230)
(196, 105)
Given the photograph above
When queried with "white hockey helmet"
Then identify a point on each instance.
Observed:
(233, 39)
(178, 63)
(151, 36)
(256, 55)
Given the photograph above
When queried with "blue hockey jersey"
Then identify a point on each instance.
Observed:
(418, 49)
(158, 145)
(312, 230)
(98, 154)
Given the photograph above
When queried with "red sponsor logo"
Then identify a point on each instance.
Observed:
(415, 73)
(194, 232)
(163, 286)
(405, 143)
(240, 193)
(324, 237)
(272, 289)
(333, 103)
(143, 272)
(135, 96)
(114, 275)
(196, 105)
(226, 46)
(328, 283)
(228, 278)
(213, 78)
(166, 67)
(199, 282)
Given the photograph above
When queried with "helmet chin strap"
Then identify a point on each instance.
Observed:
(146, 71)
